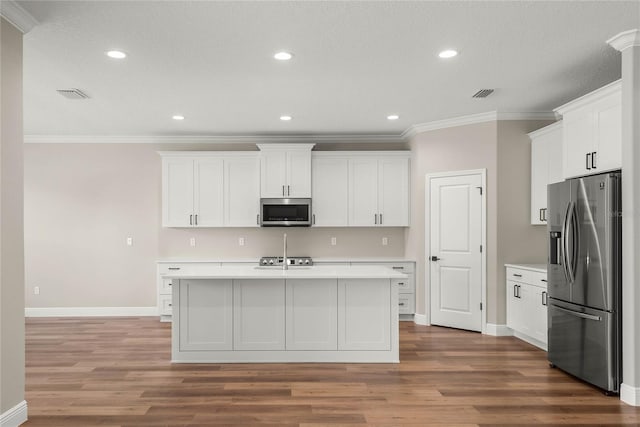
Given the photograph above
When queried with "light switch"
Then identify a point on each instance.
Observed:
(334, 241)
(192, 241)
(241, 241)
(36, 290)
(385, 241)
(129, 241)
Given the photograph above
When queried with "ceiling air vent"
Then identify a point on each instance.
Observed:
(482, 93)
(72, 93)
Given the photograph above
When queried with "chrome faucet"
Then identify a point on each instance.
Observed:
(285, 262)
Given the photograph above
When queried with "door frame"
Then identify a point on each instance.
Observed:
(483, 239)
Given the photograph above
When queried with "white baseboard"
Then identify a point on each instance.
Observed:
(498, 330)
(89, 311)
(630, 395)
(14, 416)
(420, 319)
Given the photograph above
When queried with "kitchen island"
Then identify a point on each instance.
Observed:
(247, 314)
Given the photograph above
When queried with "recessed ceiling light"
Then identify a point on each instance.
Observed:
(449, 53)
(393, 117)
(177, 117)
(283, 56)
(116, 54)
(285, 118)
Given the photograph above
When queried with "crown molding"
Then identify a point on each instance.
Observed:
(625, 40)
(545, 130)
(17, 16)
(204, 139)
(476, 118)
(590, 97)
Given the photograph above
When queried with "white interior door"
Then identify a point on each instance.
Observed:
(455, 258)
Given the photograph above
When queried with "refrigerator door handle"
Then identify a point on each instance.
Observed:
(578, 314)
(563, 255)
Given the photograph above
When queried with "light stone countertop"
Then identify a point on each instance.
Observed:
(313, 272)
(539, 268)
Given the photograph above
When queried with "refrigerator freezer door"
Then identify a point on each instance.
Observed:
(583, 342)
(595, 207)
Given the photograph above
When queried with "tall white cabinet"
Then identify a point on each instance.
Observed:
(209, 189)
(285, 170)
(330, 193)
(546, 168)
(592, 132)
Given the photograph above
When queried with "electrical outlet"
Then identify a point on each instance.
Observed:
(241, 241)
(129, 241)
(385, 241)
(334, 241)
(36, 290)
(192, 241)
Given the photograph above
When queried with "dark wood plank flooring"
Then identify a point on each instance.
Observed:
(112, 372)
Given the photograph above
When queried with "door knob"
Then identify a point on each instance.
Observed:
(435, 258)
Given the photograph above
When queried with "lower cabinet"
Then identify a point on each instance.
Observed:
(206, 315)
(364, 307)
(527, 306)
(311, 314)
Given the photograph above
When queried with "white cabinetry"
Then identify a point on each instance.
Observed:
(201, 189)
(546, 168)
(379, 191)
(311, 314)
(258, 315)
(285, 170)
(363, 314)
(406, 287)
(330, 192)
(592, 132)
(527, 305)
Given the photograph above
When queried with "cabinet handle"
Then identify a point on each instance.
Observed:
(375, 218)
(401, 303)
(544, 214)
(588, 162)
(401, 283)
(593, 160)
(174, 268)
(515, 291)
(313, 219)
(544, 298)
(540, 215)
(398, 268)
(288, 190)
(196, 219)
(380, 219)
(283, 190)
(190, 219)
(517, 275)
(169, 304)
(258, 219)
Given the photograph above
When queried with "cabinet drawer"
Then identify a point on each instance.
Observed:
(406, 304)
(405, 285)
(185, 267)
(164, 305)
(526, 276)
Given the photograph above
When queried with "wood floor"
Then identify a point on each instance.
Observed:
(115, 372)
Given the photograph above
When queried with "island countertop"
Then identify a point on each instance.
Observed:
(311, 272)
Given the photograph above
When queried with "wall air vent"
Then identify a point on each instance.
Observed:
(482, 93)
(72, 93)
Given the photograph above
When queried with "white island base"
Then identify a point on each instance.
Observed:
(318, 315)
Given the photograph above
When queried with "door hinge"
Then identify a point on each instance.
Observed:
(480, 306)
(480, 188)
(480, 248)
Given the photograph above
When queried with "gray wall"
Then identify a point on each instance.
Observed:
(11, 220)
(83, 200)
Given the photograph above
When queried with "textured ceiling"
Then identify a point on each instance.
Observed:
(354, 64)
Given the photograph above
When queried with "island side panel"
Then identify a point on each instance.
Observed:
(312, 314)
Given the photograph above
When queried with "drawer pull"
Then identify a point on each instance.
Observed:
(398, 268)
(169, 304)
(543, 280)
(401, 283)
(517, 275)
(401, 303)
(174, 268)
(544, 298)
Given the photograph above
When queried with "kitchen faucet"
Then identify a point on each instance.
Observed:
(285, 262)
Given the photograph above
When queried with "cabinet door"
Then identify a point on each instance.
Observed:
(177, 192)
(311, 314)
(538, 317)
(363, 192)
(242, 191)
(273, 173)
(579, 140)
(258, 315)
(514, 306)
(554, 156)
(539, 174)
(393, 192)
(608, 118)
(330, 195)
(205, 315)
(298, 173)
(364, 311)
(208, 192)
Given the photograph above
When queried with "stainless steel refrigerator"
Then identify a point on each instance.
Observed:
(584, 278)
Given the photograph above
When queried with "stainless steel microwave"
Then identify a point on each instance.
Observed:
(285, 212)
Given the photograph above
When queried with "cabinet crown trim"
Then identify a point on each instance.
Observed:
(545, 130)
(395, 153)
(587, 99)
(288, 147)
(209, 153)
(624, 40)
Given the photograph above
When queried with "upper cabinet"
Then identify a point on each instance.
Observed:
(546, 168)
(285, 170)
(329, 190)
(203, 189)
(592, 132)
